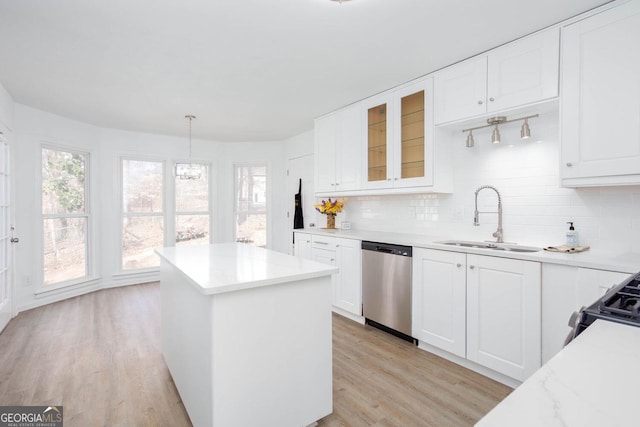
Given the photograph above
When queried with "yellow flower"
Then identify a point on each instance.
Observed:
(329, 207)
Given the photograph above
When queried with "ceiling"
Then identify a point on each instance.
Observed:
(250, 70)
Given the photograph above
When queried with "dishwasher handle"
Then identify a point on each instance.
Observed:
(387, 248)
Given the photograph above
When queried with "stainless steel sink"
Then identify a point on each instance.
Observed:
(489, 245)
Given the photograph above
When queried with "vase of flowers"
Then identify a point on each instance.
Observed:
(330, 208)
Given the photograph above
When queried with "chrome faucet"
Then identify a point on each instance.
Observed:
(498, 233)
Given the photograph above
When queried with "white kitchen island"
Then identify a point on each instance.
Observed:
(246, 334)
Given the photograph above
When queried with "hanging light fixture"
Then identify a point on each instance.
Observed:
(525, 132)
(470, 140)
(188, 171)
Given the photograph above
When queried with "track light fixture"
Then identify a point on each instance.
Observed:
(525, 131)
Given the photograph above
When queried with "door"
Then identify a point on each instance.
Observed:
(524, 71)
(439, 299)
(347, 292)
(503, 314)
(600, 129)
(6, 306)
(299, 168)
(460, 90)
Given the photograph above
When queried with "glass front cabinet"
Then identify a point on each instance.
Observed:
(398, 137)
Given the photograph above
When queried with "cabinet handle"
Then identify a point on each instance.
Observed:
(337, 183)
(332, 185)
(491, 99)
(458, 265)
(480, 102)
(337, 246)
(472, 267)
(322, 243)
(388, 179)
(332, 259)
(395, 179)
(569, 164)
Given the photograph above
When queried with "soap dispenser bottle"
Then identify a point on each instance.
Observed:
(572, 235)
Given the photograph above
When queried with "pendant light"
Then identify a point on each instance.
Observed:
(188, 171)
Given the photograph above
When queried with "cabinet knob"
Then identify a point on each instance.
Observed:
(491, 99)
(472, 267)
(388, 179)
(395, 179)
(480, 102)
(569, 164)
(458, 265)
(337, 183)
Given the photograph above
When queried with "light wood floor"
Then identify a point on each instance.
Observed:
(99, 356)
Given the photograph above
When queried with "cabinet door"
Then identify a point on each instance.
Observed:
(600, 129)
(460, 90)
(566, 290)
(524, 71)
(303, 245)
(349, 148)
(503, 314)
(377, 137)
(325, 153)
(347, 291)
(413, 139)
(439, 299)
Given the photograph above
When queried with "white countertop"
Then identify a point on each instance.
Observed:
(593, 258)
(227, 267)
(591, 382)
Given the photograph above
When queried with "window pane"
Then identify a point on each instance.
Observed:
(141, 186)
(192, 230)
(251, 188)
(140, 235)
(64, 249)
(63, 182)
(192, 195)
(252, 228)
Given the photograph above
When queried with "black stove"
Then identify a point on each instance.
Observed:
(620, 304)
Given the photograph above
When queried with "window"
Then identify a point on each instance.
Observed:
(65, 215)
(142, 213)
(251, 204)
(192, 209)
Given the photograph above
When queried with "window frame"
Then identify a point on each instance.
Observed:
(267, 207)
(174, 208)
(90, 230)
(121, 271)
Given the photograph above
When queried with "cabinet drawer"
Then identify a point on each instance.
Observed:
(323, 242)
(324, 256)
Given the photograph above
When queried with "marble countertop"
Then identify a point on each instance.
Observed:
(591, 382)
(227, 267)
(593, 258)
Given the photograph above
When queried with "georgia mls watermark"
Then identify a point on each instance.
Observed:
(31, 416)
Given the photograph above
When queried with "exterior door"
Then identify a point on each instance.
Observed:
(6, 306)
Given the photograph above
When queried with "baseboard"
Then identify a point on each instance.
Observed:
(348, 315)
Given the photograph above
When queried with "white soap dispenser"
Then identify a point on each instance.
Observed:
(572, 235)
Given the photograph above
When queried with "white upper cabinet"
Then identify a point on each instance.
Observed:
(398, 138)
(338, 145)
(600, 108)
(516, 74)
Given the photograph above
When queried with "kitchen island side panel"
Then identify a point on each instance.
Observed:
(272, 354)
(187, 342)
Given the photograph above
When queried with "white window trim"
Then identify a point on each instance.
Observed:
(120, 270)
(267, 210)
(91, 230)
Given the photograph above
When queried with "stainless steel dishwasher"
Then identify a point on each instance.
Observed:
(386, 287)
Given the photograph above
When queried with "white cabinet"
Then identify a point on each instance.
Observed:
(399, 142)
(516, 74)
(346, 254)
(347, 290)
(566, 290)
(439, 299)
(484, 308)
(600, 108)
(302, 245)
(338, 145)
(503, 314)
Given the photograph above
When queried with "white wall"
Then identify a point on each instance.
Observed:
(106, 146)
(536, 208)
(6, 110)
